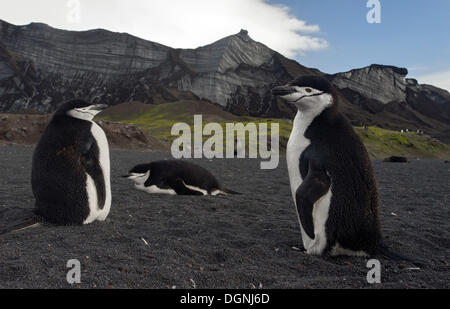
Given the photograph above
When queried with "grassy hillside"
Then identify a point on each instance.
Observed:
(381, 143)
(157, 121)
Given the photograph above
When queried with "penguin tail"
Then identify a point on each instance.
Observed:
(384, 251)
(24, 225)
(228, 192)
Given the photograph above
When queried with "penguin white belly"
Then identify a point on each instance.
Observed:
(194, 188)
(294, 151)
(95, 212)
(296, 146)
(92, 200)
(217, 192)
(320, 217)
(155, 189)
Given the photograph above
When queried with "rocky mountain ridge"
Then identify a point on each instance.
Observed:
(381, 83)
(40, 67)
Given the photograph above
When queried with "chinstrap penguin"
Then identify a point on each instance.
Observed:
(71, 167)
(331, 177)
(175, 177)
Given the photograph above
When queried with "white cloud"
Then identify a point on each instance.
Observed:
(177, 23)
(438, 79)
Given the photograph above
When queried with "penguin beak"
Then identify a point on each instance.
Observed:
(283, 90)
(125, 176)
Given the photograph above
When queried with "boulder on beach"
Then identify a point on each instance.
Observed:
(396, 159)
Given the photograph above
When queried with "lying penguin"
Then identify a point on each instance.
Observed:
(175, 177)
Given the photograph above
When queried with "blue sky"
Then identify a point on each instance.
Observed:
(331, 35)
(413, 33)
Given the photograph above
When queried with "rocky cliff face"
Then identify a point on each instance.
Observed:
(385, 97)
(74, 64)
(429, 100)
(235, 72)
(96, 54)
(18, 79)
(41, 67)
(224, 66)
(384, 84)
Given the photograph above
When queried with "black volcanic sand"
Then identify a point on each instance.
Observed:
(241, 241)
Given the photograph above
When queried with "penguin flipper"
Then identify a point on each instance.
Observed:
(160, 183)
(315, 185)
(84, 143)
(90, 154)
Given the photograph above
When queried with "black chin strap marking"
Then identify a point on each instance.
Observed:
(314, 95)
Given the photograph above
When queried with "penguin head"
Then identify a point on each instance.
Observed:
(310, 94)
(139, 174)
(80, 109)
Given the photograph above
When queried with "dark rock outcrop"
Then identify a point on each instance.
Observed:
(395, 159)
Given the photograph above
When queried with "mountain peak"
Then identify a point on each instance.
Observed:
(227, 53)
(38, 25)
(398, 70)
(243, 34)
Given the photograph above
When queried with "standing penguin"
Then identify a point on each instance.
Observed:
(332, 180)
(71, 169)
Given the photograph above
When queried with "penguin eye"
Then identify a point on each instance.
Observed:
(308, 90)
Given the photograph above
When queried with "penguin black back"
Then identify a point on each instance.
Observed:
(49, 172)
(344, 156)
(64, 161)
(331, 176)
